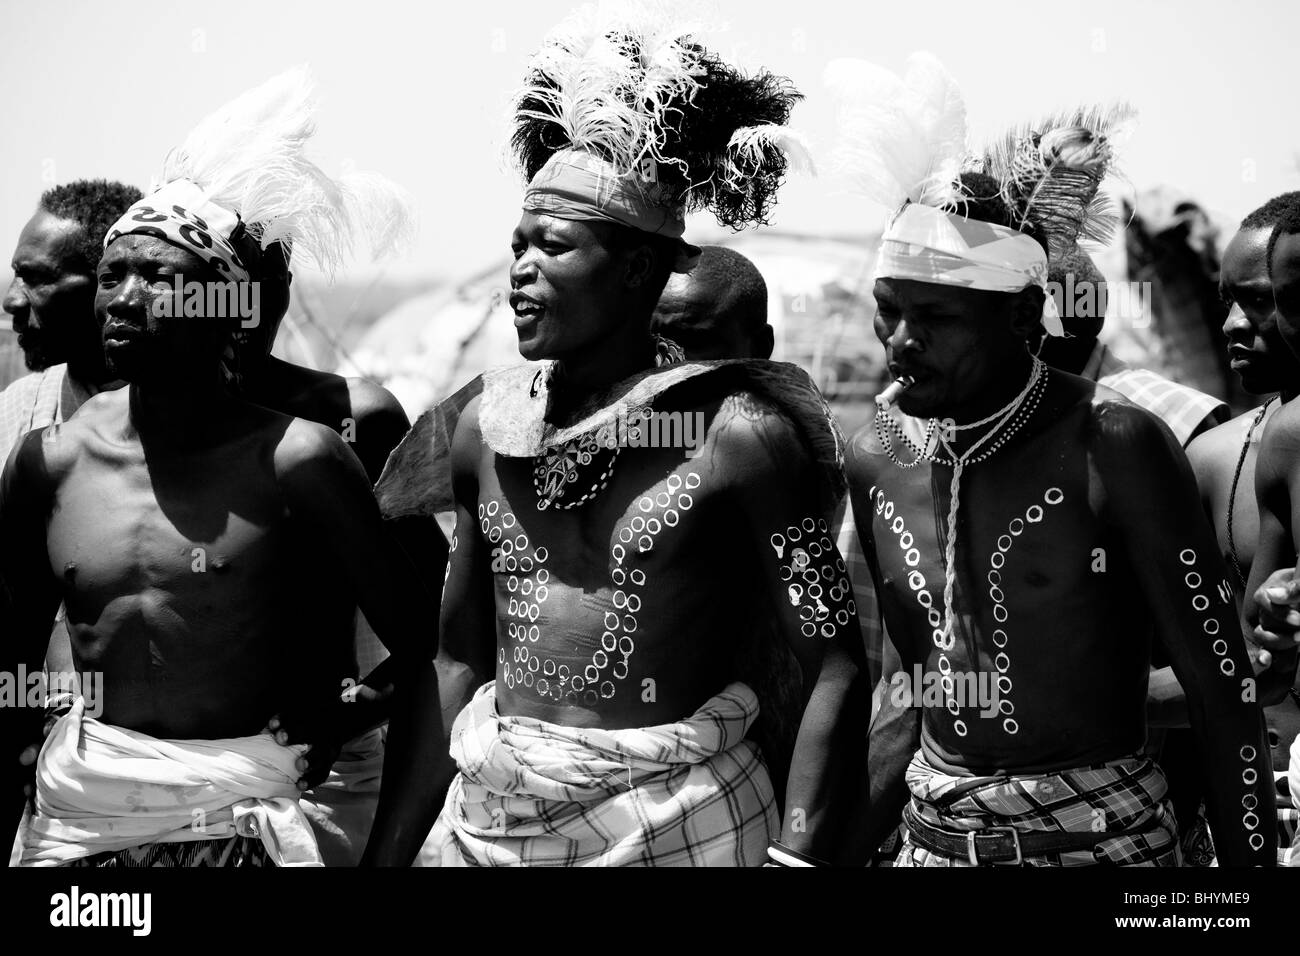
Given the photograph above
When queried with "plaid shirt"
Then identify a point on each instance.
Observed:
(36, 400)
(532, 793)
(1182, 408)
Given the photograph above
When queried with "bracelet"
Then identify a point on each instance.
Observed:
(782, 855)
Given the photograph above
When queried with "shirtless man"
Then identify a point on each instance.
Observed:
(1077, 523)
(366, 414)
(191, 535)
(718, 310)
(1273, 614)
(371, 421)
(1224, 459)
(616, 609)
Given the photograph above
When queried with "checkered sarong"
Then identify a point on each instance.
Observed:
(1120, 795)
(532, 793)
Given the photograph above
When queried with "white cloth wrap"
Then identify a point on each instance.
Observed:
(926, 244)
(101, 789)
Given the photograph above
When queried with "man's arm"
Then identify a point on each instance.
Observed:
(450, 668)
(1277, 491)
(1152, 501)
(774, 483)
(895, 734)
(329, 498)
(29, 599)
(1166, 704)
(380, 423)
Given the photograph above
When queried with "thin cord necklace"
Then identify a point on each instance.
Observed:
(1232, 495)
(1037, 375)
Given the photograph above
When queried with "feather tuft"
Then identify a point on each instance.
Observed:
(1051, 172)
(249, 156)
(900, 139)
(629, 83)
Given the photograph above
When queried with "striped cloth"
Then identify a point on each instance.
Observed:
(1182, 408)
(532, 793)
(1119, 795)
(229, 853)
(37, 400)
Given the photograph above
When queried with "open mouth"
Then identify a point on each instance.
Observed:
(527, 312)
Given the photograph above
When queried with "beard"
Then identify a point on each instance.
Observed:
(36, 356)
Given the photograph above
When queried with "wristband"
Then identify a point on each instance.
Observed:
(782, 855)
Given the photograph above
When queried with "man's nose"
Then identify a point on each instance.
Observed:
(16, 304)
(1236, 321)
(127, 299)
(522, 270)
(901, 338)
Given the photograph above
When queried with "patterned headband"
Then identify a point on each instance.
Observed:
(181, 214)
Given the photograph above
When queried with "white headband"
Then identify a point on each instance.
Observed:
(926, 244)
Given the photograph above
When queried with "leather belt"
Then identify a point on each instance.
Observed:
(1007, 844)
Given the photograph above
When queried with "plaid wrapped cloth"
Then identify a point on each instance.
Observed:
(532, 793)
(1182, 408)
(1120, 795)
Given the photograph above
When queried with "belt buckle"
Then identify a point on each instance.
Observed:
(973, 855)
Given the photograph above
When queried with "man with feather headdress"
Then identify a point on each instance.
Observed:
(191, 534)
(611, 584)
(1026, 530)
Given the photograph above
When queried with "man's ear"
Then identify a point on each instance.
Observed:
(1027, 314)
(640, 265)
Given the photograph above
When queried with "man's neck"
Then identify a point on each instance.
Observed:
(587, 373)
(176, 410)
(1009, 383)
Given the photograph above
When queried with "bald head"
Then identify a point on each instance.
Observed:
(718, 310)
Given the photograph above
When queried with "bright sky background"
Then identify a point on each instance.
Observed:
(417, 91)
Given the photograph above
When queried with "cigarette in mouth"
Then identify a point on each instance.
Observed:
(889, 396)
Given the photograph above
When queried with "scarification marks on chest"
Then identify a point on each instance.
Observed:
(1034, 514)
(892, 519)
(527, 585)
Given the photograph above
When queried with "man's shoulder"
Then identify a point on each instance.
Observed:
(371, 402)
(744, 417)
(1217, 448)
(1280, 444)
(52, 449)
(302, 443)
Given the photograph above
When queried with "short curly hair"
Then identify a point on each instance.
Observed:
(93, 204)
(1267, 215)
